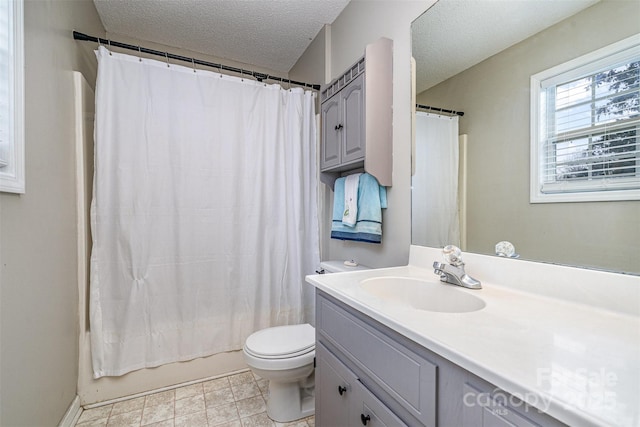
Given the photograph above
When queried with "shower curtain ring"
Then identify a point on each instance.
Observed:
(166, 55)
(193, 62)
(241, 74)
(109, 47)
(139, 54)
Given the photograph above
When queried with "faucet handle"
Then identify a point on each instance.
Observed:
(438, 267)
(453, 255)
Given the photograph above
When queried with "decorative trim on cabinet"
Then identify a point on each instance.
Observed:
(336, 85)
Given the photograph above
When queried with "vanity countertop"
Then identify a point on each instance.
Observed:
(577, 362)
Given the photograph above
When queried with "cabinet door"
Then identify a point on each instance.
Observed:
(482, 410)
(331, 133)
(373, 413)
(334, 389)
(353, 138)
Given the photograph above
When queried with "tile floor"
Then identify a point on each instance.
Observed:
(235, 401)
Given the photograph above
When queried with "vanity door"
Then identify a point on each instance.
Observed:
(334, 390)
(342, 400)
(488, 406)
(371, 412)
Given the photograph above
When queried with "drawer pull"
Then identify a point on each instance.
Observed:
(338, 127)
(341, 390)
(365, 419)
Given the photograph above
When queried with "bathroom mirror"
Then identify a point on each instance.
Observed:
(477, 57)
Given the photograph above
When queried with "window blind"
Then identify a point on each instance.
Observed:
(6, 80)
(590, 127)
(12, 166)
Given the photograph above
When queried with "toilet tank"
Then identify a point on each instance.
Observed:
(326, 267)
(340, 267)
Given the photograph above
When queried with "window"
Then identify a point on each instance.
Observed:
(11, 97)
(585, 127)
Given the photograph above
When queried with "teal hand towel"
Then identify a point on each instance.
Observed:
(372, 198)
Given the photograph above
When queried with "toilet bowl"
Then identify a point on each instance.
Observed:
(284, 355)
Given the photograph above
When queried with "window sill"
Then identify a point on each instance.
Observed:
(586, 196)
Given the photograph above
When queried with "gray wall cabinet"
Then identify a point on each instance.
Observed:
(368, 374)
(357, 118)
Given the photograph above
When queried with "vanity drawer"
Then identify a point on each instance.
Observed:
(407, 377)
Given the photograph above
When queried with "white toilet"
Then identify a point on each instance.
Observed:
(285, 355)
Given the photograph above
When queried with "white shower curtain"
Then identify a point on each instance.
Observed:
(203, 218)
(434, 192)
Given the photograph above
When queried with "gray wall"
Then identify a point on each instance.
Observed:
(495, 98)
(39, 297)
(361, 23)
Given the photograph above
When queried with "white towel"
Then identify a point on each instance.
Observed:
(351, 200)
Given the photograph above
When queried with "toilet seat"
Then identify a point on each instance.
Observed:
(281, 342)
(277, 357)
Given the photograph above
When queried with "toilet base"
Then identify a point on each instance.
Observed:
(290, 401)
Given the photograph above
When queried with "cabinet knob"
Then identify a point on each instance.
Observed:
(338, 127)
(341, 390)
(365, 419)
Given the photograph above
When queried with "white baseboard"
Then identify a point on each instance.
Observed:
(72, 415)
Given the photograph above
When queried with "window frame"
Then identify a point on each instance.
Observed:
(12, 168)
(579, 191)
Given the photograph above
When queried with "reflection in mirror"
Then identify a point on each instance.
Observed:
(434, 185)
(506, 249)
(464, 64)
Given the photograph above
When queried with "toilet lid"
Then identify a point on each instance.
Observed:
(282, 341)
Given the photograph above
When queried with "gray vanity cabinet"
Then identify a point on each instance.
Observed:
(368, 374)
(343, 127)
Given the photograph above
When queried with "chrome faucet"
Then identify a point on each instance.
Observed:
(453, 272)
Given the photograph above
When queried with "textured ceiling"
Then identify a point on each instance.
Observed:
(267, 33)
(454, 35)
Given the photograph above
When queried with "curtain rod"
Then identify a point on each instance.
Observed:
(442, 110)
(257, 75)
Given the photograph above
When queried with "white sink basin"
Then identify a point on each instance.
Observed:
(422, 294)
